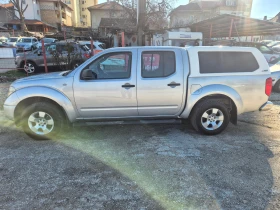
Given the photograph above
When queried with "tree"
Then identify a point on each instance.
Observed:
(153, 14)
(20, 8)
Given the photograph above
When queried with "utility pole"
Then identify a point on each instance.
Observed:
(141, 16)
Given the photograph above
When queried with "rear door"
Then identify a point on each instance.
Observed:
(160, 82)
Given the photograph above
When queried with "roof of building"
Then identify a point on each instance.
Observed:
(107, 6)
(220, 26)
(276, 18)
(7, 5)
(29, 22)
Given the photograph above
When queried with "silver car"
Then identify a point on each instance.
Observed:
(27, 44)
(275, 74)
(32, 61)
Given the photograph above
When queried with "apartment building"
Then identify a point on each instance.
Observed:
(198, 10)
(56, 13)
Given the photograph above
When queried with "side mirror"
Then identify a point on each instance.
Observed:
(39, 53)
(87, 74)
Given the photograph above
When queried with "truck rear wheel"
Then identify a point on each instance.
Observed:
(42, 121)
(210, 117)
(276, 87)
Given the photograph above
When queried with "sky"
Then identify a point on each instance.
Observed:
(261, 8)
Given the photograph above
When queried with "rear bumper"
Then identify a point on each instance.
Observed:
(267, 106)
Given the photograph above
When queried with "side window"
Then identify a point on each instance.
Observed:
(51, 48)
(112, 66)
(227, 62)
(158, 64)
(34, 40)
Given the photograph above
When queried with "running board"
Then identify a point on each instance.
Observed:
(128, 122)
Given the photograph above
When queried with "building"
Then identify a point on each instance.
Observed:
(6, 13)
(56, 13)
(105, 10)
(198, 10)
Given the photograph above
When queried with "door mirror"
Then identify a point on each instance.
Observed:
(87, 74)
(39, 53)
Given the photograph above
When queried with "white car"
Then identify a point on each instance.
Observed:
(12, 41)
(276, 48)
(266, 41)
(275, 74)
(96, 45)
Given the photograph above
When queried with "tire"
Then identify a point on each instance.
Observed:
(276, 87)
(42, 121)
(30, 67)
(210, 117)
(32, 48)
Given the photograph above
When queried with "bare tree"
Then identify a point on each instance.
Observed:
(20, 8)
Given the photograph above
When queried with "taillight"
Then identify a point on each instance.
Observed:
(268, 86)
(87, 55)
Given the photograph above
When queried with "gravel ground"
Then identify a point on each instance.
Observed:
(144, 166)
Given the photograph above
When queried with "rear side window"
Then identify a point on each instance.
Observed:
(227, 62)
(158, 64)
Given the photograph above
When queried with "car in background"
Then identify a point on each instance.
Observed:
(3, 39)
(274, 43)
(26, 44)
(268, 53)
(46, 41)
(12, 41)
(275, 74)
(96, 45)
(32, 61)
(266, 42)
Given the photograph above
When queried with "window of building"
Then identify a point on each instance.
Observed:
(38, 12)
(112, 66)
(83, 9)
(83, 2)
(158, 64)
(230, 2)
(227, 62)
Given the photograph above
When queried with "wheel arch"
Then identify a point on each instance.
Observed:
(226, 93)
(28, 96)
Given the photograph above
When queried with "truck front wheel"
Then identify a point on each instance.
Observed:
(210, 117)
(42, 121)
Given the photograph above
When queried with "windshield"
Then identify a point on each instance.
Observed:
(48, 40)
(13, 39)
(102, 46)
(25, 40)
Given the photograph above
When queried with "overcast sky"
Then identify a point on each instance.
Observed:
(260, 8)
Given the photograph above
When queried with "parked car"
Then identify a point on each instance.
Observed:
(209, 85)
(26, 44)
(12, 41)
(268, 53)
(266, 42)
(275, 74)
(3, 39)
(96, 45)
(35, 59)
(46, 41)
(276, 48)
(272, 44)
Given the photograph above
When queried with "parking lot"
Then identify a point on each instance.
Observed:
(143, 166)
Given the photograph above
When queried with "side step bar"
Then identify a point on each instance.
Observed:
(129, 122)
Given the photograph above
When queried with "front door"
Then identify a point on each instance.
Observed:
(160, 83)
(113, 93)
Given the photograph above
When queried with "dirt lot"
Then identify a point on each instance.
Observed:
(144, 167)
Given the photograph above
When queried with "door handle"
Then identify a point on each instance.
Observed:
(172, 84)
(127, 85)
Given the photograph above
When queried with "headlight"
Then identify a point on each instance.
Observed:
(11, 90)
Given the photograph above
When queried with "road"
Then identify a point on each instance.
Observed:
(144, 167)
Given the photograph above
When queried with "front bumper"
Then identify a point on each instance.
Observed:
(9, 111)
(267, 106)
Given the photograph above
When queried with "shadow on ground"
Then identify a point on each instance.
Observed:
(134, 167)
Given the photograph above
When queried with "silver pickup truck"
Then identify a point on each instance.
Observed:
(210, 86)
